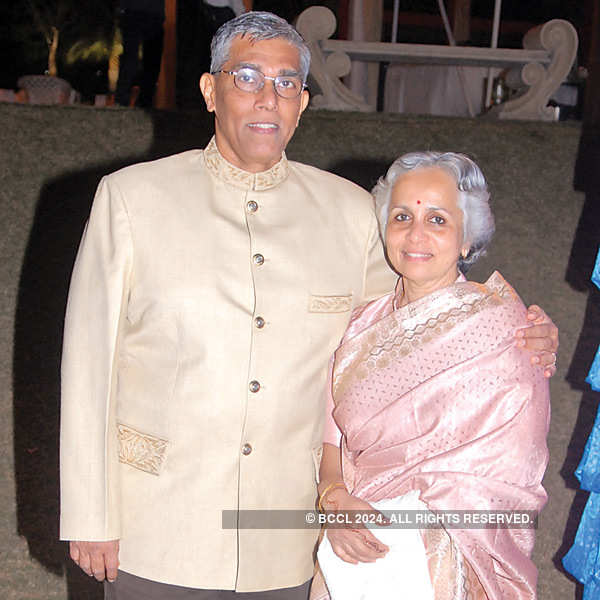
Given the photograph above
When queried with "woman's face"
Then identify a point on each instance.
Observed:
(424, 235)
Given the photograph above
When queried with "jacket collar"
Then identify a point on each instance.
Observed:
(224, 170)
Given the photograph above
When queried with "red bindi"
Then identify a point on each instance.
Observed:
(418, 202)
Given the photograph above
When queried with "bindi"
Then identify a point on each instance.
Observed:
(418, 202)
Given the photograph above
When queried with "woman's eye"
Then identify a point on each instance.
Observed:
(438, 220)
(401, 217)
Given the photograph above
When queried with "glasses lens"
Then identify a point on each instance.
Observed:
(249, 80)
(288, 86)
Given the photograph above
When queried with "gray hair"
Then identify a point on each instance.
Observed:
(473, 196)
(258, 26)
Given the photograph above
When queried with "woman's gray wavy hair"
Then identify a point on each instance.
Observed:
(258, 26)
(473, 196)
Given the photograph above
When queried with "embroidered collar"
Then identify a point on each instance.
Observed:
(239, 178)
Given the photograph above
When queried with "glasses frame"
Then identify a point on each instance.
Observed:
(265, 77)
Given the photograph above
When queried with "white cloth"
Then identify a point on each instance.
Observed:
(237, 6)
(402, 572)
(433, 89)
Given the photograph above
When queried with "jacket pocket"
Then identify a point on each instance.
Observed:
(329, 304)
(141, 450)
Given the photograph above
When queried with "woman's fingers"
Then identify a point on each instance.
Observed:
(356, 545)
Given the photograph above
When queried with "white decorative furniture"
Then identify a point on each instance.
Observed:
(537, 70)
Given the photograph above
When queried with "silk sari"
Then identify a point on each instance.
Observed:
(436, 397)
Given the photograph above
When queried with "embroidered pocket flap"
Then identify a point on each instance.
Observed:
(141, 450)
(329, 304)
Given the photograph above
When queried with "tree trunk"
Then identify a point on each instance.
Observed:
(52, 49)
(113, 61)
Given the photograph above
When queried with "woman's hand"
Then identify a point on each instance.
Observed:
(352, 543)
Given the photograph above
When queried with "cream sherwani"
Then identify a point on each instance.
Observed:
(205, 303)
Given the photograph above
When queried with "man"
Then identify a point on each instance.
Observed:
(209, 292)
(141, 22)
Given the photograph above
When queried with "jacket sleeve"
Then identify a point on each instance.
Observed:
(379, 278)
(95, 317)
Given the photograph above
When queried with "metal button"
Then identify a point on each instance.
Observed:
(254, 386)
(258, 259)
(252, 206)
(246, 449)
(259, 322)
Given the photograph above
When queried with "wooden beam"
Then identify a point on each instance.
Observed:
(435, 54)
(591, 115)
(460, 17)
(165, 98)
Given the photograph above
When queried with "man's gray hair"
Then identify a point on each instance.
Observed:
(473, 196)
(257, 26)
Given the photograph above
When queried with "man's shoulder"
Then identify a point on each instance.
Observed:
(159, 170)
(328, 181)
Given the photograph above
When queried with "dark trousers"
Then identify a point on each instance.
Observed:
(130, 587)
(139, 28)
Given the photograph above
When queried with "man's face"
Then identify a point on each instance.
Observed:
(253, 129)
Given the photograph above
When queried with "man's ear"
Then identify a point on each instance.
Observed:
(304, 98)
(207, 88)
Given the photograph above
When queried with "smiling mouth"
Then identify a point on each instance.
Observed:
(266, 127)
(417, 255)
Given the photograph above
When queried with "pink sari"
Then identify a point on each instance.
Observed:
(436, 397)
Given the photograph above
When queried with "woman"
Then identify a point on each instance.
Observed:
(436, 407)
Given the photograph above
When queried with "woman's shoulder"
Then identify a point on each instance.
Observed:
(498, 298)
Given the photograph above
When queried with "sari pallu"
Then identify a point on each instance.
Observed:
(436, 397)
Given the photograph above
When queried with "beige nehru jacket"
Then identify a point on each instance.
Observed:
(204, 305)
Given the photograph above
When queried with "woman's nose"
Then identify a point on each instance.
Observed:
(416, 230)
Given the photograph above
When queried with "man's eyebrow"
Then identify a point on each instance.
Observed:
(247, 65)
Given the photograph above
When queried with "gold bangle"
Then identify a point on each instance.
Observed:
(331, 486)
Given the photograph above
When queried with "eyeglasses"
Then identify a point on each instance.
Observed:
(252, 81)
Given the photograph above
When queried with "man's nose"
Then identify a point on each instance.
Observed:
(267, 97)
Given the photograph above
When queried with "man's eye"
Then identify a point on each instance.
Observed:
(288, 84)
(247, 77)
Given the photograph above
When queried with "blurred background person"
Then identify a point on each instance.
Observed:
(141, 22)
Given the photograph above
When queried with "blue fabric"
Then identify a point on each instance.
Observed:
(583, 559)
(593, 377)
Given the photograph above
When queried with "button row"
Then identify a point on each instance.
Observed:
(254, 385)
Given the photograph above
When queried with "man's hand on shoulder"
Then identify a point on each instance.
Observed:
(97, 559)
(540, 338)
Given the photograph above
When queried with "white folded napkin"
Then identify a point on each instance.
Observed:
(401, 573)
